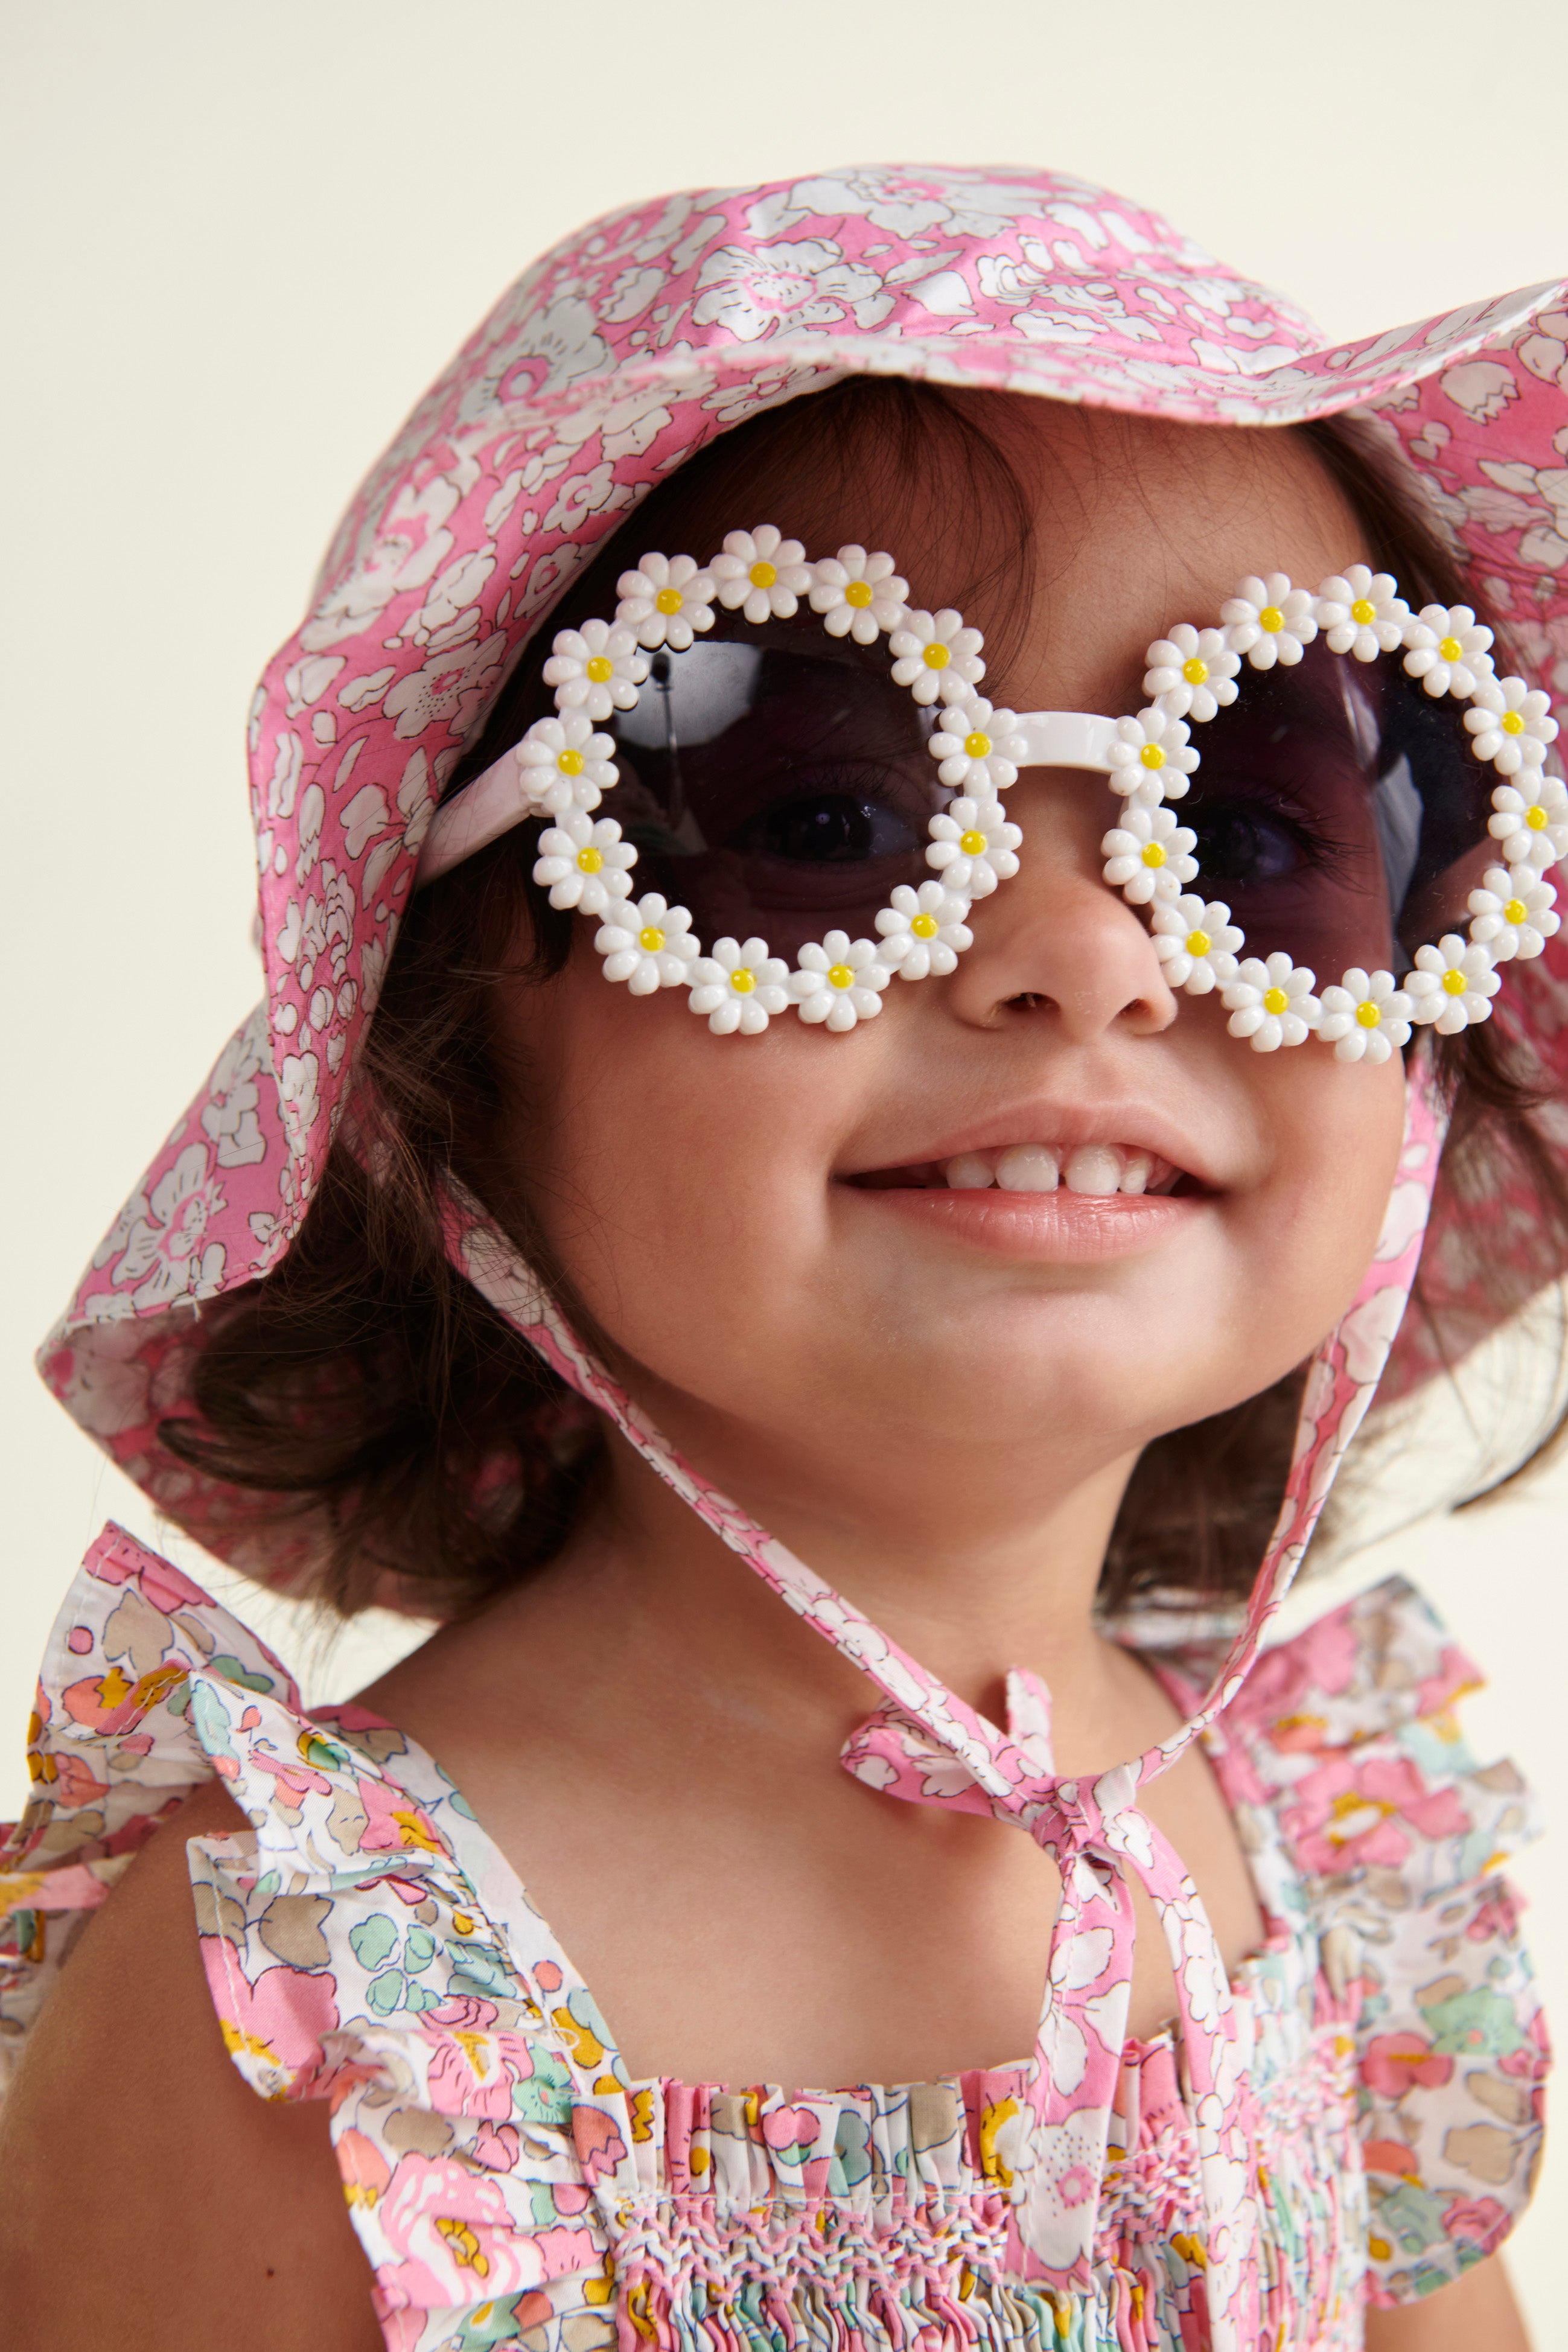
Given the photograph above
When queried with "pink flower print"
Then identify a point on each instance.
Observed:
(1394, 2064)
(273, 2029)
(599, 2145)
(395, 1822)
(453, 2231)
(1349, 1814)
(167, 1255)
(364, 2170)
(497, 2146)
(112, 1702)
(789, 2132)
(1455, 1678)
(1496, 1915)
(470, 2072)
(1391, 2156)
(1478, 2221)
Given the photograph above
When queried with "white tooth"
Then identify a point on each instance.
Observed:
(1094, 1168)
(968, 1173)
(1136, 1173)
(1028, 1168)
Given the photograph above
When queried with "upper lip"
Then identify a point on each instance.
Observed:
(1133, 1125)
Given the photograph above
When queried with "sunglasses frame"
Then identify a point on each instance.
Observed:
(562, 768)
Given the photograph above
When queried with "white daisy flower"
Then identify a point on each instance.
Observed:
(858, 595)
(935, 655)
(561, 764)
(1515, 912)
(1269, 621)
(924, 930)
(584, 865)
(1449, 649)
(1272, 1003)
(1192, 672)
(1149, 855)
(739, 986)
(763, 573)
(1196, 943)
(980, 749)
(973, 846)
(1452, 984)
(1512, 723)
(1532, 821)
(1365, 1018)
(839, 982)
(1151, 757)
(1363, 612)
(596, 669)
(648, 945)
(666, 601)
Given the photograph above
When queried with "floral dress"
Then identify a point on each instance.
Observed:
(367, 1944)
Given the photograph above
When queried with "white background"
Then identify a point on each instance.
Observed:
(240, 241)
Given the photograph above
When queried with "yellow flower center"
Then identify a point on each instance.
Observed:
(1535, 818)
(1450, 649)
(1516, 911)
(1152, 756)
(667, 601)
(859, 594)
(762, 575)
(1272, 619)
(936, 656)
(1198, 943)
(1512, 724)
(1362, 612)
(1276, 1000)
(1455, 983)
(1153, 854)
(600, 670)
(1368, 1014)
(1194, 671)
(972, 843)
(840, 975)
(590, 860)
(650, 939)
(925, 927)
(570, 762)
(743, 980)
(977, 745)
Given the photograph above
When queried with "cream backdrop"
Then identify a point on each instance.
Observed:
(240, 242)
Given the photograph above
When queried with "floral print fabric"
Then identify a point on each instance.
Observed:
(367, 1944)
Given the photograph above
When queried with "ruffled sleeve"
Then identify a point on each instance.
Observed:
(1347, 1735)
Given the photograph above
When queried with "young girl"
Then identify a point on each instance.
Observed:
(1105, 854)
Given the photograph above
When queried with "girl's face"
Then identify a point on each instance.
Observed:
(762, 1226)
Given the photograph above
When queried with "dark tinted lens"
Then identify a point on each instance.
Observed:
(775, 783)
(1340, 812)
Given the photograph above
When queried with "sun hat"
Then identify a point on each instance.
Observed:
(618, 355)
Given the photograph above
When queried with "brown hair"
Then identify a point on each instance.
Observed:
(365, 1389)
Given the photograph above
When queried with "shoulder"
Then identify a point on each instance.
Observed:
(142, 2174)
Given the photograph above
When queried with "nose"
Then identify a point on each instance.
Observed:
(1056, 939)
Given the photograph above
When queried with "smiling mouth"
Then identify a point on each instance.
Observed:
(1094, 1170)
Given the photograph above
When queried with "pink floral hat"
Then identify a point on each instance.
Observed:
(617, 356)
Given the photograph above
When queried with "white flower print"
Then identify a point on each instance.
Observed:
(1272, 1003)
(452, 688)
(1512, 723)
(584, 865)
(739, 986)
(1197, 943)
(973, 846)
(596, 669)
(1450, 651)
(763, 573)
(1515, 912)
(858, 595)
(800, 282)
(1531, 824)
(649, 946)
(167, 1255)
(561, 764)
(979, 748)
(1192, 672)
(1452, 984)
(666, 601)
(1150, 757)
(1365, 1018)
(1269, 621)
(1149, 855)
(936, 657)
(839, 982)
(924, 930)
(1363, 612)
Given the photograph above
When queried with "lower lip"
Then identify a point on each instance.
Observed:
(1054, 1228)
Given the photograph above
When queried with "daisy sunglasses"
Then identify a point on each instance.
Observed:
(1332, 810)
